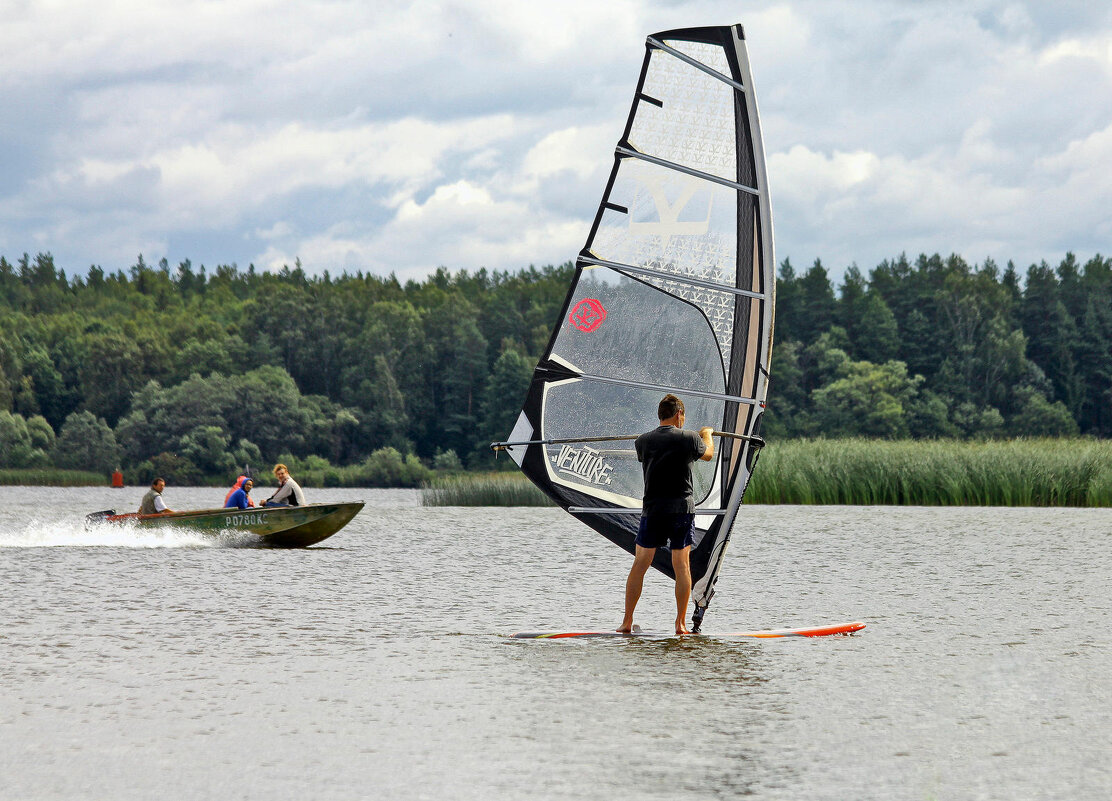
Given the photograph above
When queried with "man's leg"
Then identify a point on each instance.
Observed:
(681, 564)
(642, 561)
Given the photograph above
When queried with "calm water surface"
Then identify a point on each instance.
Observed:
(376, 665)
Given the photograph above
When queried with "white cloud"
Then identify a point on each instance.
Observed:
(459, 225)
(403, 135)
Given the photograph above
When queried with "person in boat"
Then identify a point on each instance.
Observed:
(152, 503)
(239, 497)
(668, 509)
(289, 492)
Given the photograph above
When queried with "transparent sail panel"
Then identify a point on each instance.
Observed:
(712, 56)
(610, 470)
(676, 224)
(695, 127)
(621, 328)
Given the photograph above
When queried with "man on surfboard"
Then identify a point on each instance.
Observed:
(668, 507)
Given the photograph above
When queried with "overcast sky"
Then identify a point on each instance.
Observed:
(401, 136)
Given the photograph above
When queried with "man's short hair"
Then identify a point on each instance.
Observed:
(156, 481)
(669, 407)
(280, 466)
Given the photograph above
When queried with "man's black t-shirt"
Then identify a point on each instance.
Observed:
(666, 454)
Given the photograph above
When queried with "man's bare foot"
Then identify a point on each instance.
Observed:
(625, 628)
(681, 628)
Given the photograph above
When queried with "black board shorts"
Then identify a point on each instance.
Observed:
(673, 531)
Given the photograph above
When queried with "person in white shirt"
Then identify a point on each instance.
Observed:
(152, 503)
(289, 492)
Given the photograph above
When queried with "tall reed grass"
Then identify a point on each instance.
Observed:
(485, 489)
(51, 477)
(1031, 472)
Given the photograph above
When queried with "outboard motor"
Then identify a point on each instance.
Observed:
(93, 518)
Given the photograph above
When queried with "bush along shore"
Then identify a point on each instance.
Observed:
(1022, 472)
(386, 467)
(52, 477)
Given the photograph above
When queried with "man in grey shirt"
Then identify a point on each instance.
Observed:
(668, 509)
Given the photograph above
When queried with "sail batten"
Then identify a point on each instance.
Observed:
(694, 173)
(695, 63)
(672, 276)
(673, 291)
(609, 510)
(674, 390)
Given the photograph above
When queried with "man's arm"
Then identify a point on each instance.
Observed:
(704, 434)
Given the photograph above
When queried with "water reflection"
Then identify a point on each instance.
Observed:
(676, 713)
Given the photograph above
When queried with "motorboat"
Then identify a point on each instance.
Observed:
(275, 526)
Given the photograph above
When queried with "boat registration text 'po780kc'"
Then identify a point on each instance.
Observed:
(250, 519)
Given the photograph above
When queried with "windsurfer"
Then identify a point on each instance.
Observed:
(152, 503)
(667, 512)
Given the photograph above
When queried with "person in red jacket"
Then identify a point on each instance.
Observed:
(237, 496)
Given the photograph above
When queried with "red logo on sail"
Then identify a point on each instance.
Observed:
(587, 315)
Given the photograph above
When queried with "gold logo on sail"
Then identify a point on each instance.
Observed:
(668, 223)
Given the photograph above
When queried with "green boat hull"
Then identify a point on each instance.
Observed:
(275, 526)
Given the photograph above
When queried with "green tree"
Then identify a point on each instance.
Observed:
(176, 469)
(788, 303)
(447, 462)
(383, 421)
(17, 443)
(786, 414)
(42, 435)
(1094, 364)
(928, 417)
(86, 442)
(978, 422)
(247, 453)
(112, 369)
(51, 397)
(267, 408)
(206, 356)
(878, 336)
(817, 308)
(1051, 334)
(207, 448)
(1039, 417)
(387, 467)
(867, 400)
(458, 375)
(503, 397)
(6, 396)
(851, 306)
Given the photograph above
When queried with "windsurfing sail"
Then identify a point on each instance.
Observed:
(673, 292)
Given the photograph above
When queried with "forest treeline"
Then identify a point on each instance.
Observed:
(940, 348)
(189, 373)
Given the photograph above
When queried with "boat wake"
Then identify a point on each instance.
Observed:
(60, 534)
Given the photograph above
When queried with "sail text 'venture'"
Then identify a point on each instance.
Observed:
(585, 463)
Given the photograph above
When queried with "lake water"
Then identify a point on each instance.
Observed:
(376, 666)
